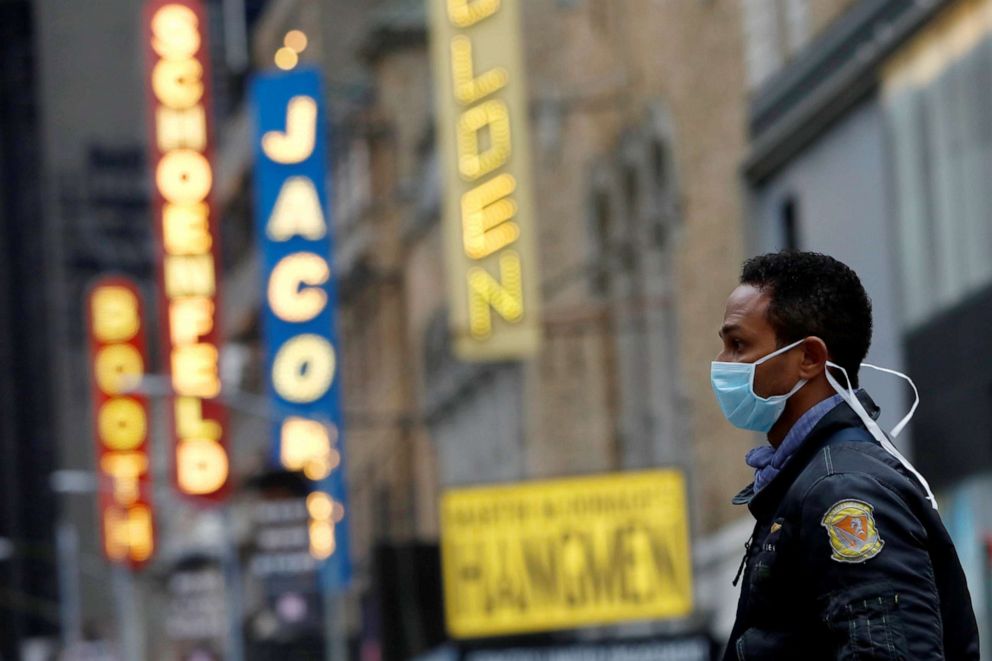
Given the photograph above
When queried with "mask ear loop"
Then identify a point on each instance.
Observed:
(754, 371)
(778, 352)
(916, 394)
(852, 399)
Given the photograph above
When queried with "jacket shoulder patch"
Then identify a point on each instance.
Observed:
(850, 525)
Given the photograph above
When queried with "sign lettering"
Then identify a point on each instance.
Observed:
(118, 358)
(488, 214)
(294, 234)
(188, 265)
(566, 553)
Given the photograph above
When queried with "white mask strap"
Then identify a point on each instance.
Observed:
(851, 398)
(916, 394)
(779, 351)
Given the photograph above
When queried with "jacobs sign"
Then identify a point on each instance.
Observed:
(295, 235)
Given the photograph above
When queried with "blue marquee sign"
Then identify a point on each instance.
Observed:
(295, 234)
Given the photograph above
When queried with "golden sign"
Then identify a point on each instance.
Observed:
(560, 554)
(488, 215)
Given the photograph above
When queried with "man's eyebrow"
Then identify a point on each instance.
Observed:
(728, 328)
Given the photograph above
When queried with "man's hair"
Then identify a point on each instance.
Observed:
(815, 295)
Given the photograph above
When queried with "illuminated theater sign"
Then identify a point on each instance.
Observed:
(180, 148)
(294, 233)
(488, 214)
(120, 415)
(560, 554)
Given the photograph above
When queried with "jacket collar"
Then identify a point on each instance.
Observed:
(764, 503)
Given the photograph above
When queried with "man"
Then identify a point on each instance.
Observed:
(848, 559)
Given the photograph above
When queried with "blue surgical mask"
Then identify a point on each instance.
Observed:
(733, 384)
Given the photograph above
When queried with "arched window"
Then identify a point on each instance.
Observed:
(789, 222)
(602, 222)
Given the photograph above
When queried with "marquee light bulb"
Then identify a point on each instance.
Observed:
(295, 40)
(286, 58)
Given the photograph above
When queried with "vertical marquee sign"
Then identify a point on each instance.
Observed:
(294, 232)
(120, 415)
(488, 214)
(181, 153)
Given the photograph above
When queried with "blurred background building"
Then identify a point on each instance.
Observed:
(872, 145)
(28, 592)
(667, 140)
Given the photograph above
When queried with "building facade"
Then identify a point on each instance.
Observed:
(634, 158)
(28, 591)
(886, 107)
(667, 141)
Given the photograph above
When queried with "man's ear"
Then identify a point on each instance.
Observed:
(815, 356)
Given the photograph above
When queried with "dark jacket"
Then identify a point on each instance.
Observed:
(848, 559)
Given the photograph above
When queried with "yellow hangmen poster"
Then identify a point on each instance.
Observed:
(560, 554)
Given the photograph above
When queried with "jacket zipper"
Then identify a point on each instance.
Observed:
(747, 551)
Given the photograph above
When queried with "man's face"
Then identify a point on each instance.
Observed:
(747, 336)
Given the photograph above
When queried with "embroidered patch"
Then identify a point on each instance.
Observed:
(853, 534)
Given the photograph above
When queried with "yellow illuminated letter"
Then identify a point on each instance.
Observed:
(122, 424)
(322, 543)
(303, 368)
(183, 176)
(125, 468)
(177, 129)
(189, 275)
(306, 445)
(190, 318)
(178, 84)
(190, 422)
(471, 162)
(485, 292)
(201, 466)
(324, 514)
(175, 32)
(118, 368)
(320, 506)
(296, 144)
(128, 533)
(195, 370)
(115, 314)
(466, 13)
(295, 293)
(485, 210)
(186, 229)
(470, 88)
(296, 212)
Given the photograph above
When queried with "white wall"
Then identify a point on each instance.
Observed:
(841, 188)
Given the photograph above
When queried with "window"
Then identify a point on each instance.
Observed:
(937, 100)
(796, 25)
(761, 37)
(354, 185)
(774, 30)
(631, 190)
(602, 229)
(789, 218)
(659, 165)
